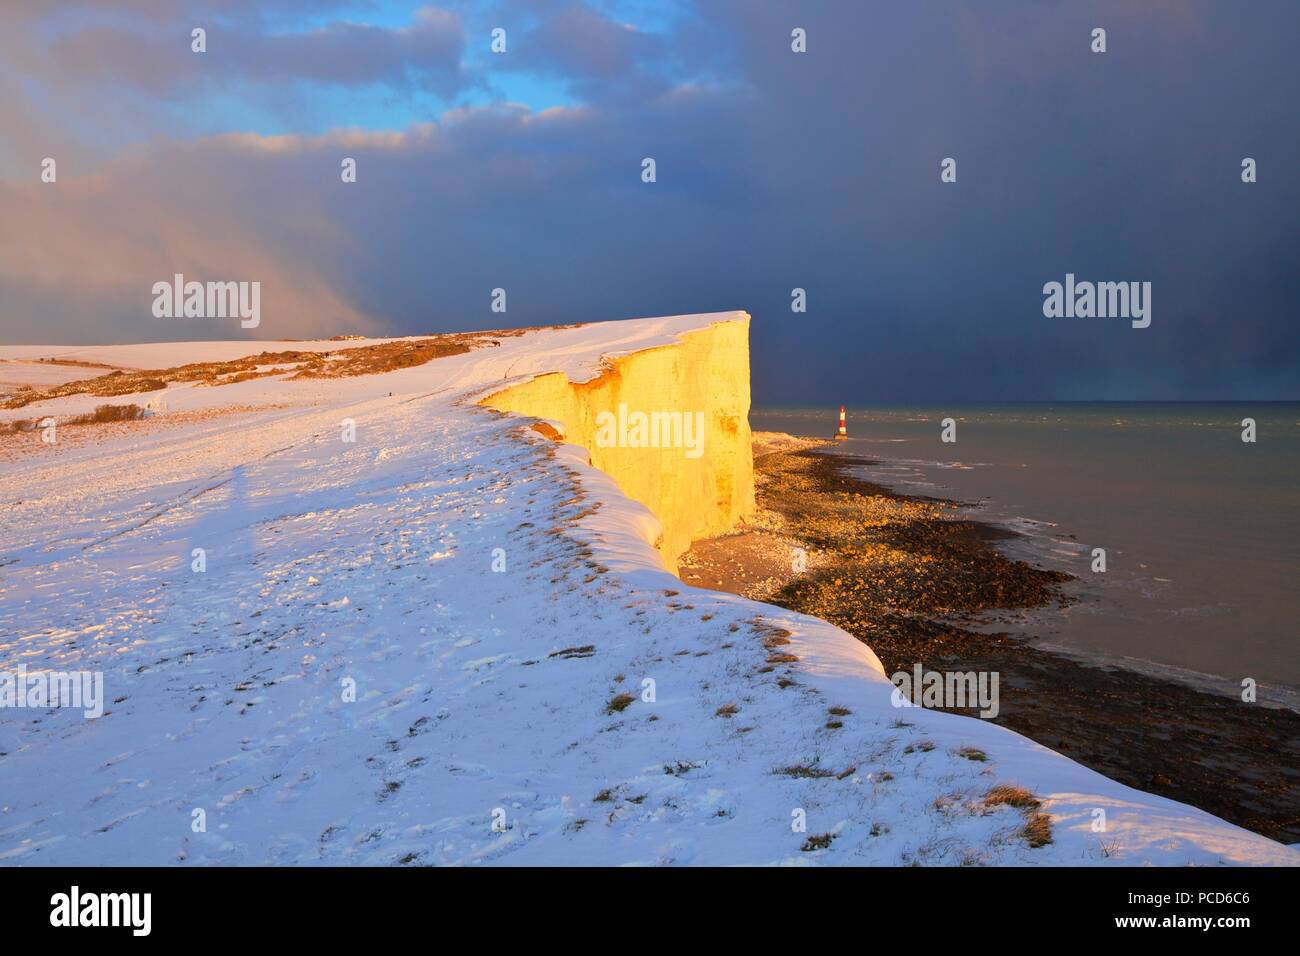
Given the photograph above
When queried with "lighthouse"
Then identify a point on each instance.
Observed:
(843, 433)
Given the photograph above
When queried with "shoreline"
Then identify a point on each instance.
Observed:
(910, 576)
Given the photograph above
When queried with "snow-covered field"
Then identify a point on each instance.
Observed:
(481, 695)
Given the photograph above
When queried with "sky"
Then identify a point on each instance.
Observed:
(775, 170)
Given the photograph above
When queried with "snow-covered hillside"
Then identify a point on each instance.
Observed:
(486, 726)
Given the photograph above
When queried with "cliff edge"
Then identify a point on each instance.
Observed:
(670, 425)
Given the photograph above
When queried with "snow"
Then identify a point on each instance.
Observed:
(170, 354)
(15, 374)
(476, 691)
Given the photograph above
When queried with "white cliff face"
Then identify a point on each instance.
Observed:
(691, 400)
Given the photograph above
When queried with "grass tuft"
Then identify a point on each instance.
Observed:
(1038, 830)
(817, 842)
(801, 771)
(619, 704)
(1012, 796)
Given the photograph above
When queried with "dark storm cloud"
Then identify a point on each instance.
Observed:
(1123, 165)
(775, 170)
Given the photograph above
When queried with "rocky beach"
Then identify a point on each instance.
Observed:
(914, 578)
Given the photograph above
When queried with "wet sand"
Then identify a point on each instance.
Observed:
(910, 579)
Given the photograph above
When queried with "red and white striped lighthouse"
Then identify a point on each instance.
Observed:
(843, 433)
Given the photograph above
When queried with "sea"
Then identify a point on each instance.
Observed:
(1200, 529)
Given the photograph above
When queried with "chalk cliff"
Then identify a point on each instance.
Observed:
(693, 494)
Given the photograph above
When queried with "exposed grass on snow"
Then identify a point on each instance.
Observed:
(1037, 830)
(1013, 796)
(802, 771)
(101, 414)
(619, 704)
(340, 363)
(819, 842)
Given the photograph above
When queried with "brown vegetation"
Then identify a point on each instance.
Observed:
(102, 413)
(817, 842)
(1012, 796)
(619, 704)
(802, 771)
(76, 363)
(1037, 829)
(337, 363)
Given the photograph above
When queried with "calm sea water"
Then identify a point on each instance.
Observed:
(1201, 530)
